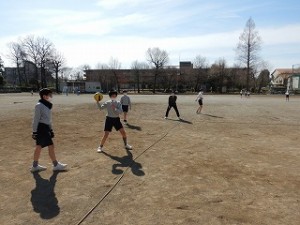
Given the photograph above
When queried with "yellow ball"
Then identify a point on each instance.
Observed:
(98, 96)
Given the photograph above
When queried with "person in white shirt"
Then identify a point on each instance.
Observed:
(126, 105)
(114, 109)
(200, 101)
(287, 96)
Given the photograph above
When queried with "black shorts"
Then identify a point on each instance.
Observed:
(111, 122)
(125, 108)
(44, 135)
(200, 102)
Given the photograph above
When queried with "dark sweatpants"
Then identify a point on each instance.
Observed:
(175, 108)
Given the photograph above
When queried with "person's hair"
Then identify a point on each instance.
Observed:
(112, 92)
(45, 91)
(125, 91)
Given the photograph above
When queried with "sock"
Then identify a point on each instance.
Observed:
(35, 163)
(125, 140)
(55, 163)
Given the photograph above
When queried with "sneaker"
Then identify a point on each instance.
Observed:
(37, 168)
(128, 147)
(166, 118)
(178, 118)
(60, 167)
(100, 149)
(125, 122)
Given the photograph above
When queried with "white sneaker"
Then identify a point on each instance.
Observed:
(100, 149)
(166, 118)
(37, 168)
(60, 167)
(178, 118)
(128, 147)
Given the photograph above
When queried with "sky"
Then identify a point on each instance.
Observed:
(94, 31)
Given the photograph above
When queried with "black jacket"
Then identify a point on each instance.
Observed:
(172, 100)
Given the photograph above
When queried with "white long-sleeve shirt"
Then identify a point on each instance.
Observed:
(125, 100)
(199, 96)
(42, 114)
(113, 107)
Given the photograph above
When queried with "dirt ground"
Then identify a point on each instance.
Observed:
(236, 163)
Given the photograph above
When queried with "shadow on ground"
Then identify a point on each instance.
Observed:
(126, 161)
(220, 117)
(43, 197)
(133, 127)
(181, 120)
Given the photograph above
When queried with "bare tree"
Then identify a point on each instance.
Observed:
(39, 51)
(103, 77)
(248, 47)
(200, 64)
(263, 79)
(218, 71)
(85, 67)
(158, 58)
(136, 68)
(263, 75)
(57, 62)
(31, 50)
(115, 65)
(45, 51)
(17, 56)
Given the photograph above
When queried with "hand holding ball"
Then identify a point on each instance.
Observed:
(98, 97)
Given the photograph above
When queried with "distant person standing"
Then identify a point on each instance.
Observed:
(200, 101)
(172, 104)
(126, 105)
(248, 94)
(287, 96)
(241, 93)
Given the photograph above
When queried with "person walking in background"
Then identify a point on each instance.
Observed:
(126, 105)
(287, 96)
(200, 101)
(172, 104)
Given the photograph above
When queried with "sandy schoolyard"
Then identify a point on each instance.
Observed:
(236, 163)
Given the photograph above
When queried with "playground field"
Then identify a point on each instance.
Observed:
(236, 163)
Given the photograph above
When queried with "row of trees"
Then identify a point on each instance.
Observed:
(247, 51)
(46, 61)
(38, 54)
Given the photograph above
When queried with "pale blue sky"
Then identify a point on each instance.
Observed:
(93, 31)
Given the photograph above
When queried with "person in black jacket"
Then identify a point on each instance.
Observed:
(172, 103)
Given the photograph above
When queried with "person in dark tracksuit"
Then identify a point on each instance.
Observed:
(172, 104)
(43, 133)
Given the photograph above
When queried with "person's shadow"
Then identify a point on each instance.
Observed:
(126, 161)
(206, 114)
(181, 120)
(43, 197)
(133, 127)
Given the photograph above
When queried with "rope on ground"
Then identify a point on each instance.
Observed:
(121, 177)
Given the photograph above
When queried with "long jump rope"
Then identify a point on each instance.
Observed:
(121, 177)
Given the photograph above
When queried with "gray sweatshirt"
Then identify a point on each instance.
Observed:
(42, 114)
(113, 107)
(125, 100)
